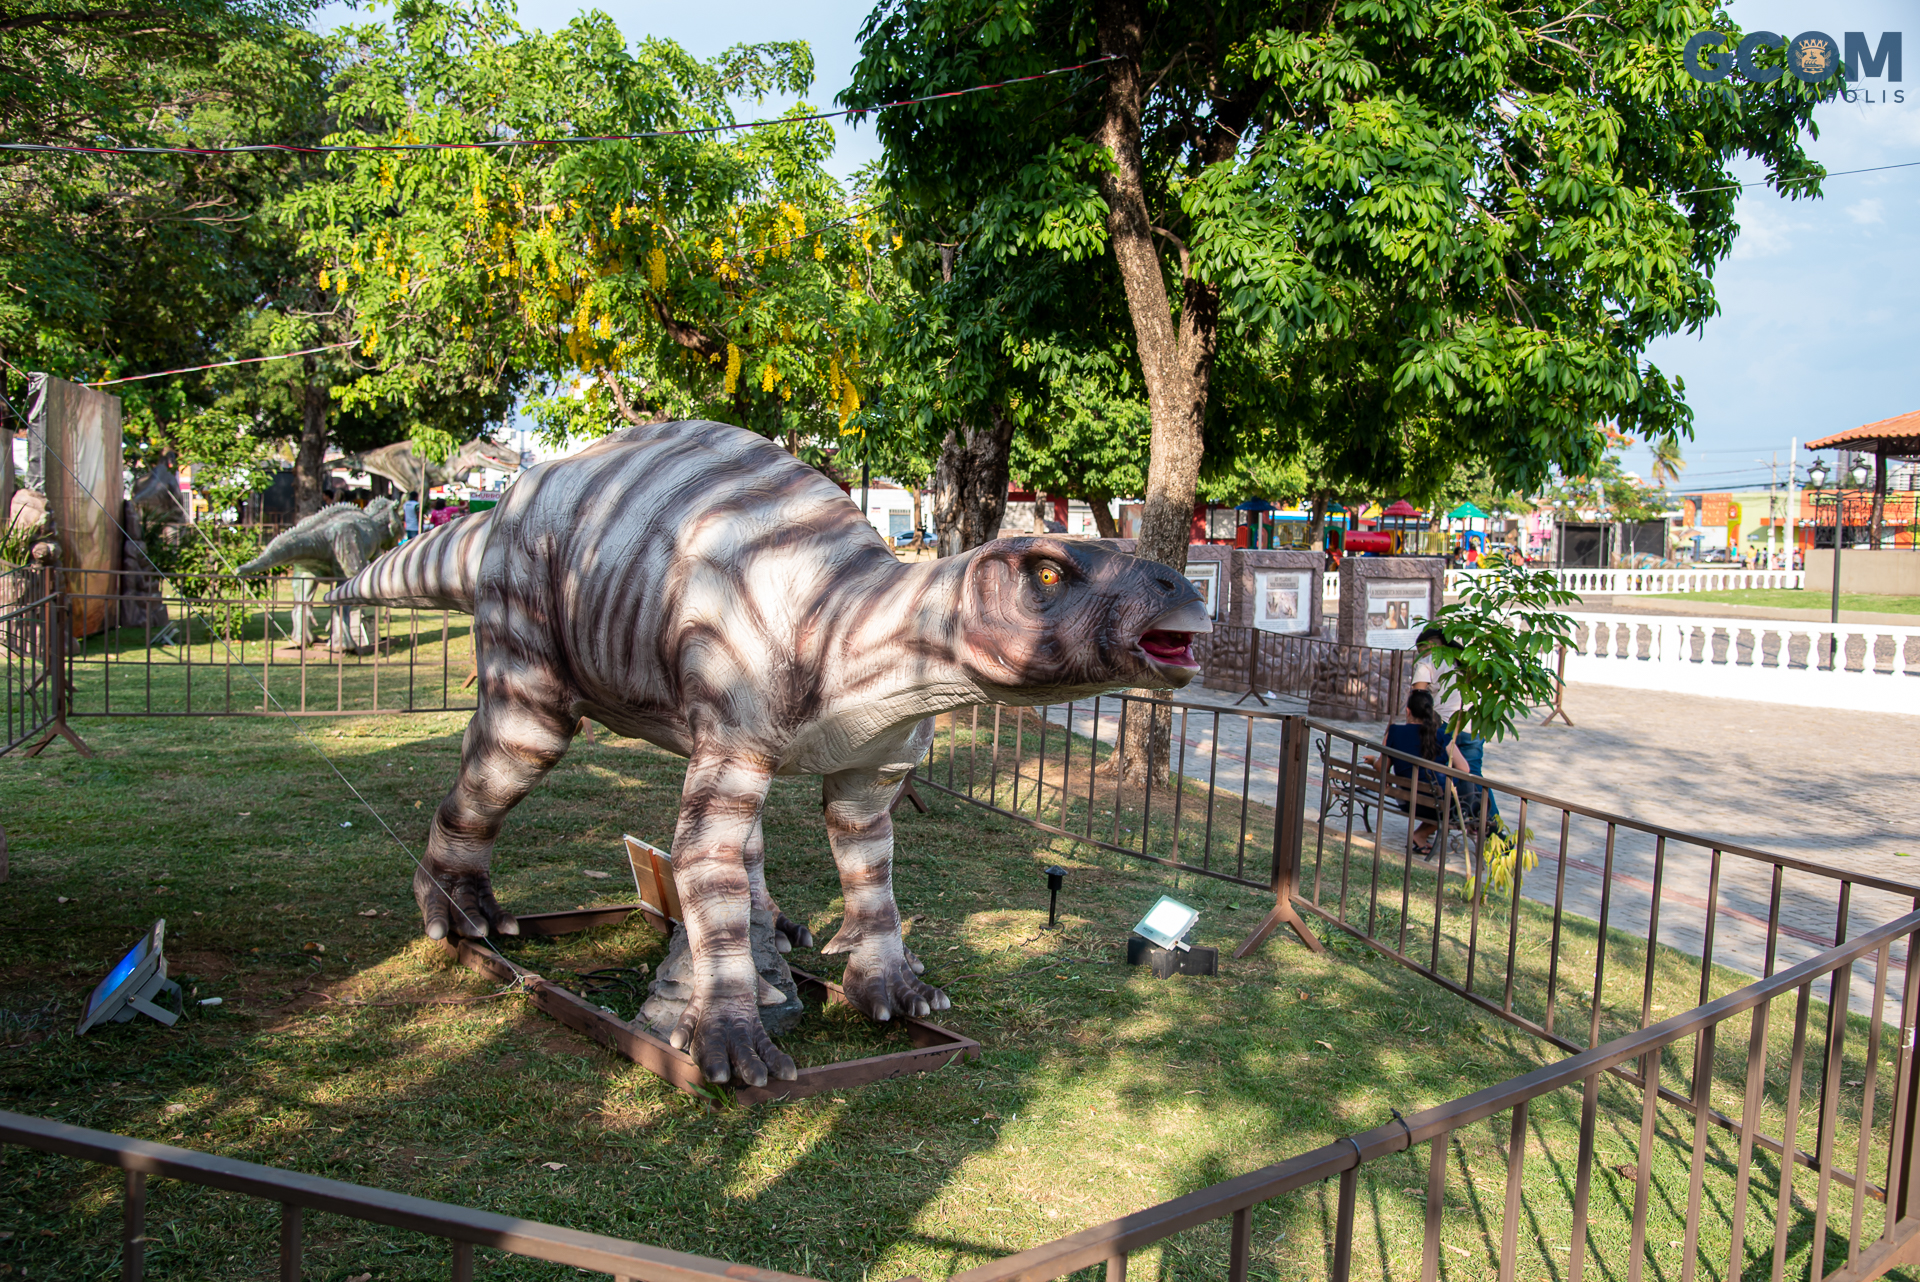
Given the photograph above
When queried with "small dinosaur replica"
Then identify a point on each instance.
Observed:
(333, 543)
(693, 585)
(399, 464)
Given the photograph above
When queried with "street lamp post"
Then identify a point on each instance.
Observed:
(1817, 476)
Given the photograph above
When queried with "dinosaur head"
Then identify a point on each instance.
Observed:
(1042, 619)
(388, 515)
(484, 451)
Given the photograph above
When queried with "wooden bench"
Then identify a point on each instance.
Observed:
(1354, 787)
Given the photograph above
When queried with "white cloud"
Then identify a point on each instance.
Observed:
(1764, 233)
(1867, 212)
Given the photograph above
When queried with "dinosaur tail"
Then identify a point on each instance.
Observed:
(436, 571)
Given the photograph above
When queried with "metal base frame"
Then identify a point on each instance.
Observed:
(934, 1047)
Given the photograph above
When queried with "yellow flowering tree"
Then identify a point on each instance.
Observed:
(705, 271)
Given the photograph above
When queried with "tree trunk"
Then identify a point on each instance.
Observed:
(970, 484)
(1103, 522)
(1176, 358)
(919, 539)
(1317, 528)
(310, 460)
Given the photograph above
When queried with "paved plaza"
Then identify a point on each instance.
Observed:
(1835, 789)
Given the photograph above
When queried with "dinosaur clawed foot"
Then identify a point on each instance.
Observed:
(789, 935)
(882, 983)
(727, 1040)
(461, 903)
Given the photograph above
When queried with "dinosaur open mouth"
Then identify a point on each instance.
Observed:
(1174, 649)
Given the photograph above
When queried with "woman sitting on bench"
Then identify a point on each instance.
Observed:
(1423, 735)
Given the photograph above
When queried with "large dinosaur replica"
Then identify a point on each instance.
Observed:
(399, 464)
(693, 585)
(333, 543)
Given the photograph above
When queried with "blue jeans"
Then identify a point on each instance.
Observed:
(1473, 748)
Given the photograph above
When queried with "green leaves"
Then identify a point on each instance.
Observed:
(1500, 638)
(708, 274)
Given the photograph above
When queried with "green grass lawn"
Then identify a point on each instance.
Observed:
(1100, 1090)
(1800, 599)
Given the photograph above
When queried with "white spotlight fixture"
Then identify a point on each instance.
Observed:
(1167, 923)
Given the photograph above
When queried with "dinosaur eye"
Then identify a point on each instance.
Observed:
(1049, 577)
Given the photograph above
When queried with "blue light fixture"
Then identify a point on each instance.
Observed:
(130, 987)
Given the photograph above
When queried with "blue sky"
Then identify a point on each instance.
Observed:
(1818, 330)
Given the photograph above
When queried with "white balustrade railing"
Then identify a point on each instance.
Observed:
(1767, 660)
(1660, 582)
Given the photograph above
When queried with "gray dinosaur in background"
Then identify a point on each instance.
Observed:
(399, 464)
(334, 543)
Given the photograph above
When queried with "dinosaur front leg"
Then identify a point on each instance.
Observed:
(881, 976)
(720, 808)
(302, 608)
(788, 934)
(508, 748)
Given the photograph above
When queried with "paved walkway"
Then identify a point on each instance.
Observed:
(1836, 789)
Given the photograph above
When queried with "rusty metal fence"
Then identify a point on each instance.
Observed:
(1344, 682)
(1204, 803)
(463, 1228)
(221, 645)
(30, 633)
(1772, 1046)
(1580, 927)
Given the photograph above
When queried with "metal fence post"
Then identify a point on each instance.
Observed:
(133, 1224)
(1289, 827)
(290, 1218)
(59, 618)
(1903, 1161)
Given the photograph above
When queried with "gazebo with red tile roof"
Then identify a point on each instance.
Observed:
(1896, 437)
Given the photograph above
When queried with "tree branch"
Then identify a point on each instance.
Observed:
(620, 399)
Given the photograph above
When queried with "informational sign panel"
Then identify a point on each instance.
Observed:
(1396, 611)
(73, 457)
(1205, 577)
(1282, 600)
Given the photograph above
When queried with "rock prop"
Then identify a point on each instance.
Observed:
(673, 984)
(694, 585)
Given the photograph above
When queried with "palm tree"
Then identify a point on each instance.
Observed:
(1667, 463)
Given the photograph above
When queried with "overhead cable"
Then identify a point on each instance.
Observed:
(494, 143)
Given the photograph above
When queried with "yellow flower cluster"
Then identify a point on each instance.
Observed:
(733, 369)
(1503, 852)
(657, 270)
(841, 388)
(768, 377)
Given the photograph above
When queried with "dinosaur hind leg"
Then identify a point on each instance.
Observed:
(788, 935)
(508, 748)
(882, 977)
(720, 809)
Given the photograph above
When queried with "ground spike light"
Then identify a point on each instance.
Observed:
(1055, 876)
(130, 987)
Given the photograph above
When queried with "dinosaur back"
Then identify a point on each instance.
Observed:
(435, 571)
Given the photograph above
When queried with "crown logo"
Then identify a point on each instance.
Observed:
(1813, 56)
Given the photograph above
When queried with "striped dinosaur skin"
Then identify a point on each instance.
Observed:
(692, 585)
